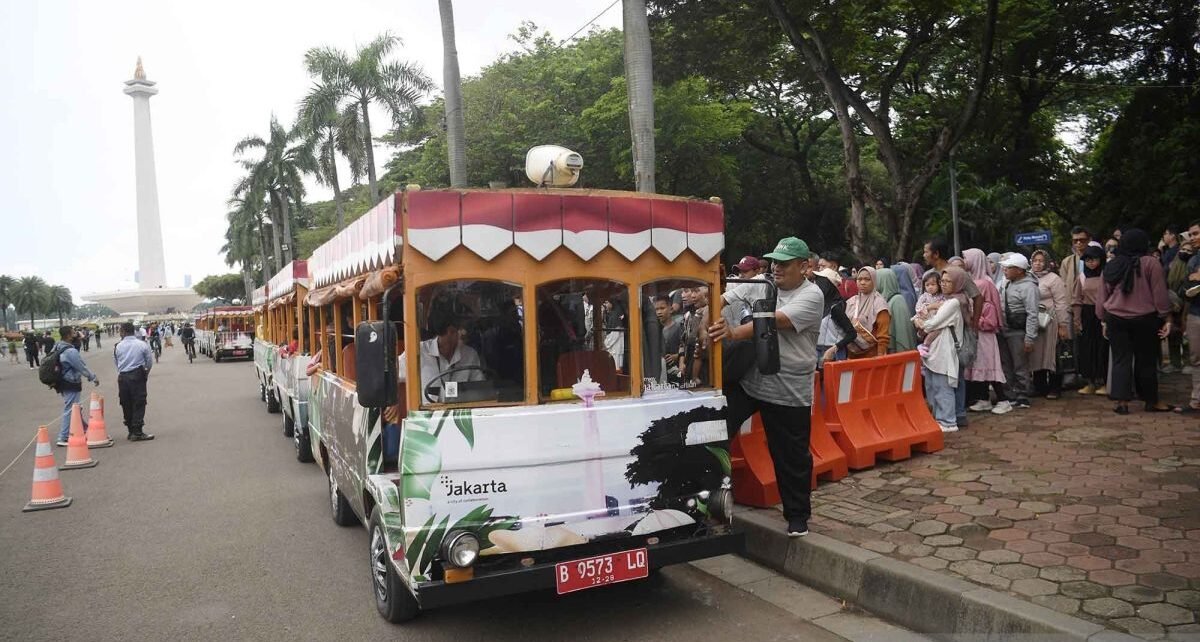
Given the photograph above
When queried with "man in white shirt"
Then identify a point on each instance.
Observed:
(443, 353)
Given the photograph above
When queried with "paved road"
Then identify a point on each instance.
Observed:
(214, 531)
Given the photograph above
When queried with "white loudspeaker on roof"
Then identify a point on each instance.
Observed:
(552, 166)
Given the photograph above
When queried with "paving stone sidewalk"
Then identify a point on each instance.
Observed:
(1066, 504)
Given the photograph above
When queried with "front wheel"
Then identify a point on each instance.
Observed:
(392, 598)
(272, 401)
(342, 515)
(289, 426)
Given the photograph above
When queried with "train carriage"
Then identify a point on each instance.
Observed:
(492, 397)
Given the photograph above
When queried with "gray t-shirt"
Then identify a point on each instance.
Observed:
(793, 384)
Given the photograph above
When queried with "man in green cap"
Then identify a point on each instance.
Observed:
(784, 400)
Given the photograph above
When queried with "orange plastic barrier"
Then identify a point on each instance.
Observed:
(97, 432)
(754, 482)
(829, 462)
(875, 408)
(77, 448)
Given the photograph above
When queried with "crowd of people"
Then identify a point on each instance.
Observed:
(994, 330)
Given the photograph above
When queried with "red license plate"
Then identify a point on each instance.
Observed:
(602, 569)
(239, 353)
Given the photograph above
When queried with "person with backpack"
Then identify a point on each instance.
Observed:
(64, 370)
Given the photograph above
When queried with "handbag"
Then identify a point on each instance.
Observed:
(865, 341)
(1044, 317)
(967, 348)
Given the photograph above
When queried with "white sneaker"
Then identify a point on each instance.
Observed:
(1002, 408)
(949, 428)
(983, 405)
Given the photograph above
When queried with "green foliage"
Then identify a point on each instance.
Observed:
(223, 286)
(93, 311)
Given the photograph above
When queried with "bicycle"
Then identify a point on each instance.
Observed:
(190, 348)
(156, 345)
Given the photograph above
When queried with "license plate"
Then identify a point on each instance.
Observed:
(239, 353)
(602, 569)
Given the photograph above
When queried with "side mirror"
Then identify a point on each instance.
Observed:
(375, 365)
(766, 337)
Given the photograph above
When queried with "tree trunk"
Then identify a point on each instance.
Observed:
(367, 142)
(275, 236)
(247, 282)
(285, 213)
(337, 189)
(639, 80)
(456, 143)
(262, 242)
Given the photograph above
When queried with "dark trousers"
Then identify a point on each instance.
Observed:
(32, 357)
(132, 386)
(1046, 382)
(1092, 357)
(788, 429)
(1135, 357)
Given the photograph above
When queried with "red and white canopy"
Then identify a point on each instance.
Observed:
(367, 244)
(284, 283)
(489, 222)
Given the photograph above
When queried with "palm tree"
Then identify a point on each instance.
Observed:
(60, 300)
(246, 222)
(242, 244)
(639, 79)
(367, 79)
(30, 295)
(330, 134)
(285, 155)
(456, 141)
(7, 283)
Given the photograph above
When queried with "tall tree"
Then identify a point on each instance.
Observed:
(639, 78)
(286, 154)
(246, 224)
(60, 301)
(366, 79)
(7, 283)
(865, 89)
(456, 137)
(332, 134)
(31, 295)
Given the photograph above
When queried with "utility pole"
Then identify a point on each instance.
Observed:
(954, 204)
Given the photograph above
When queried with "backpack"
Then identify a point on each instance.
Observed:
(50, 371)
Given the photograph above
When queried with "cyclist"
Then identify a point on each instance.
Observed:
(155, 342)
(188, 336)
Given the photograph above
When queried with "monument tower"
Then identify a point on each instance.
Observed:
(152, 294)
(151, 265)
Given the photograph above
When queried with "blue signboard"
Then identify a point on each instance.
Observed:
(1040, 237)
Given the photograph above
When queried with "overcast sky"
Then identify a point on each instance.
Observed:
(67, 191)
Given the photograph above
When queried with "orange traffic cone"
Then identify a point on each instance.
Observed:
(77, 448)
(47, 487)
(97, 436)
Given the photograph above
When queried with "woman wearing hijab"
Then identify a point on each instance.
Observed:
(869, 310)
(904, 334)
(909, 287)
(939, 359)
(836, 330)
(986, 370)
(1133, 307)
(1093, 346)
(1052, 298)
(994, 271)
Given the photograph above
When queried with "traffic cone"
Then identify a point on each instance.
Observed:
(47, 487)
(97, 436)
(77, 448)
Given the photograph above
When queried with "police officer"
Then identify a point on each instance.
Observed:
(134, 360)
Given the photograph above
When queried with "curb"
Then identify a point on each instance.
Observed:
(906, 594)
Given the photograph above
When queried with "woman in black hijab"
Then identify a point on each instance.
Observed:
(1133, 306)
(1093, 347)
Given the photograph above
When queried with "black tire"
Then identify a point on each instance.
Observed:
(262, 391)
(272, 401)
(343, 515)
(303, 445)
(217, 358)
(392, 598)
(289, 426)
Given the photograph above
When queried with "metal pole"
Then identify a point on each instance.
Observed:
(954, 204)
